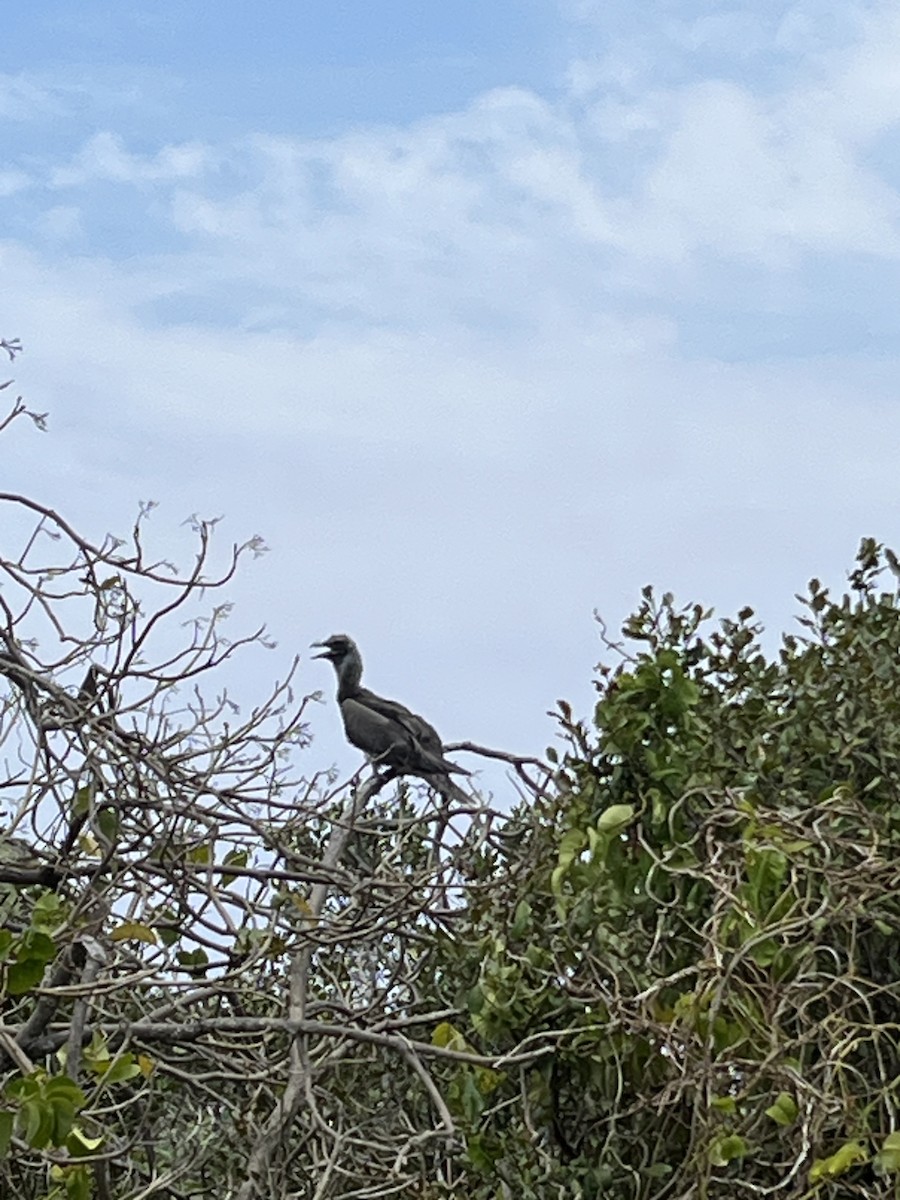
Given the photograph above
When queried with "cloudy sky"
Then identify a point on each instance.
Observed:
(483, 315)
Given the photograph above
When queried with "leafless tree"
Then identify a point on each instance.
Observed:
(224, 953)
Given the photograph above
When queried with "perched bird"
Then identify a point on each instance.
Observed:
(383, 729)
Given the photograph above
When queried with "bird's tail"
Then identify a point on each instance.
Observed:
(450, 792)
(440, 766)
(452, 768)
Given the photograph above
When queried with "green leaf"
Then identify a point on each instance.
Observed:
(765, 952)
(556, 880)
(78, 1183)
(488, 1080)
(133, 931)
(166, 926)
(49, 912)
(447, 1037)
(21, 977)
(234, 858)
(472, 1099)
(36, 945)
(475, 999)
(538, 956)
(37, 1118)
(766, 869)
(62, 1119)
(21, 1089)
(61, 1086)
(849, 1155)
(7, 1119)
(479, 1154)
(108, 823)
(659, 1170)
(81, 801)
(193, 958)
(521, 920)
(79, 1144)
(571, 845)
(114, 1070)
(123, 1067)
(784, 1110)
(887, 1160)
(616, 817)
(727, 1148)
(659, 807)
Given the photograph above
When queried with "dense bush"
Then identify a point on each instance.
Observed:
(698, 923)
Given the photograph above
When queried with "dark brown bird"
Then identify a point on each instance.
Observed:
(387, 732)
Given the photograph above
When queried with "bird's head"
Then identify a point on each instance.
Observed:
(336, 648)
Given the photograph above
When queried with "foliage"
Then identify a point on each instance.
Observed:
(699, 923)
(670, 972)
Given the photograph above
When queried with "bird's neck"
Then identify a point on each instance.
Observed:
(349, 674)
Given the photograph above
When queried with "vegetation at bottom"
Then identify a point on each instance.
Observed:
(665, 966)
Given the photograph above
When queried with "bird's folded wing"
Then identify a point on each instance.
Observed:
(424, 734)
(372, 731)
(389, 732)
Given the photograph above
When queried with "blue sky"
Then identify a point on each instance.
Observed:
(311, 68)
(483, 315)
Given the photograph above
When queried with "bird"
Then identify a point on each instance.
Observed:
(387, 732)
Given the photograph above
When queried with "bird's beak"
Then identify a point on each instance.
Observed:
(326, 647)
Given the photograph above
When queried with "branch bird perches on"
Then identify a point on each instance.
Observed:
(388, 733)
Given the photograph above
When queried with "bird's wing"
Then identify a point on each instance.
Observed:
(386, 730)
(373, 732)
(426, 735)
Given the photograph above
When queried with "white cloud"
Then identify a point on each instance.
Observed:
(860, 98)
(22, 98)
(764, 180)
(816, 29)
(736, 33)
(442, 366)
(472, 495)
(65, 96)
(765, 173)
(104, 157)
(12, 182)
(518, 208)
(61, 223)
